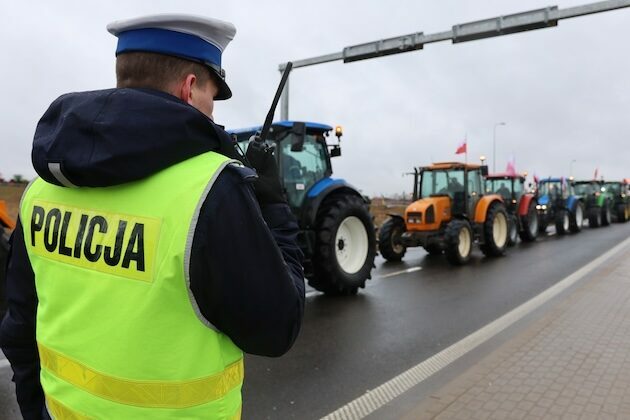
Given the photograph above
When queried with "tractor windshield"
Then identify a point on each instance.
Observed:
(550, 188)
(441, 182)
(584, 189)
(503, 187)
(613, 187)
(301, 169)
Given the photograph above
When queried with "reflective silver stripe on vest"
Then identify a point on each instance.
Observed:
(189, 242)
(55, 170)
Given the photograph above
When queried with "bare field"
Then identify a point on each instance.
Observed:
(380, 207)
(11, 194)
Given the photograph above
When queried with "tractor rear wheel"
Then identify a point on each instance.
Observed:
(459, 239)
(495, 231)
(606, 215)
(562, 222)
(577, 218)
(4, 254)
(389, 239)
(512, 230)
(595, 217)
(529, 223)
(345, 247)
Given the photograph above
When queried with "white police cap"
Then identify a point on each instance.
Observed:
(193, 38)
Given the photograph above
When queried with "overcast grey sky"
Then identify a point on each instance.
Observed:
(563, 92)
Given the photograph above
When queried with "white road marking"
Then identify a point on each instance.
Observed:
(374, 399)
(395, 273)
(4, 363)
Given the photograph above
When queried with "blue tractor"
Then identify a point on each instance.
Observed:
(336, 229)
(557, 205)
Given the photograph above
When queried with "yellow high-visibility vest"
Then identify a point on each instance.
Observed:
(119, 333)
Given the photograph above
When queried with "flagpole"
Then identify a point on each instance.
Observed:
(466, 142)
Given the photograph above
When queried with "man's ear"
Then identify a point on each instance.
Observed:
(185, 88)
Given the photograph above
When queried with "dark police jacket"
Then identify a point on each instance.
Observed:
(245, 269)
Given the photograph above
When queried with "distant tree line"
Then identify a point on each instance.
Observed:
(15, 179)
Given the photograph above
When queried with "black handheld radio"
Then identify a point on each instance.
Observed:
(262, 137)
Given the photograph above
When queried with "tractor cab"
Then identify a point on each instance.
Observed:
(451, 186)
(510, 187)
(552, 191)
(302, 153)
(620, 193)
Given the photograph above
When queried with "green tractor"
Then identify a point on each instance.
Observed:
(598, 203)
(620, 193)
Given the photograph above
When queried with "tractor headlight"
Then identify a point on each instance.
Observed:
(414, 218)
(538, 207)
(544, 207)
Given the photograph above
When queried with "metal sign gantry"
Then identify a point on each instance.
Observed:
(487, 28)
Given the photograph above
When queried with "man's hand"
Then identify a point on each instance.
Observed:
(267, 186)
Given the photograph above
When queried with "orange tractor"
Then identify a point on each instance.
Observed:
(451, 212)
(6, 225)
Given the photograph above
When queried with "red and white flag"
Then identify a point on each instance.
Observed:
(461, 148)
(595, 174)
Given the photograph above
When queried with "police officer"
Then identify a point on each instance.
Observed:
(146, 260)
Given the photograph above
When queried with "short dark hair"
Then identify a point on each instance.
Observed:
(156, 71)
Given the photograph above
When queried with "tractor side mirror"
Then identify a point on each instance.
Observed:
(335, 151)
(484, 170)
(299, 133)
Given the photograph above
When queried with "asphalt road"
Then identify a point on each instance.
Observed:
(352, 344)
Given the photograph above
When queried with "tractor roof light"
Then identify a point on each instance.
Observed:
(338, 131)
(571, 178)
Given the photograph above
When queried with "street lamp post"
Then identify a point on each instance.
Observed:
(571, 167)
(494, 147)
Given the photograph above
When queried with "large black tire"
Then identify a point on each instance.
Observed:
(530, 224)
(334, 274)
(495, 231)
(389, 239)
(459, 239)
(576, 218)
(606, 214)
(512, 230)
(563, 222)
(622, 213)
(594, 217)
(4, 253)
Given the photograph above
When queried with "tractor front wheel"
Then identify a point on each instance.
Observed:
(562, 222)
(459, 240)
(577, 218)
(495, 231)
(512, 230)
(345, 246)
(622, 213)
(595, 217)
(606, 215)
(529, 223)
(389, 239)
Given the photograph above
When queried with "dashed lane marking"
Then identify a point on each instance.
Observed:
(395, 273)
(376, 398)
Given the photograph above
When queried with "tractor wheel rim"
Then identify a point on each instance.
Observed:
(513, 231)
(351, 244)
(499, 230)
(465, 242)
(579, 216)
(565, 222)
(397, 247)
